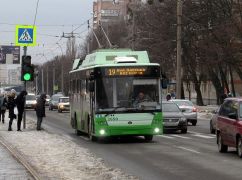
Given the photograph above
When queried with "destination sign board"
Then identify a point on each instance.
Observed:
(148, 71)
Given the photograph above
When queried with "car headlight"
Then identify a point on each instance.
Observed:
(183, 119)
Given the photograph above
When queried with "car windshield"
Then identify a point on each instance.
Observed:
(55, 98)
(30, 97)
(170, 107)
(183, 103)
(64, 100)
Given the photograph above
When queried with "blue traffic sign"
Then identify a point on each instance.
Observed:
(25, 35)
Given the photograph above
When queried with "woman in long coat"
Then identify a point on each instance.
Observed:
(40, 110)
(11, 105)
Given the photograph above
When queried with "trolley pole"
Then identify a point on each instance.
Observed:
(25, 88)
(178, 55)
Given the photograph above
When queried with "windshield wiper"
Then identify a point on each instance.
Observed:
(114, 110)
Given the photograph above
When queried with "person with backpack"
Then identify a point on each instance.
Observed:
(3, 107)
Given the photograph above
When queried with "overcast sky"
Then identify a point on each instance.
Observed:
(53, 18)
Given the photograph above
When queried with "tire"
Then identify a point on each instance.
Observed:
(194, 123)
(212, 130)
(239, 147)
(221, 147)
(59, 111)
(184, 131)
(148, 138)
(91, 137)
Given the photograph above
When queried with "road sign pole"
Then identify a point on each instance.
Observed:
(25, 88)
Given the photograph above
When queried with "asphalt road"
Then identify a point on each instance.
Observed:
(170, 156)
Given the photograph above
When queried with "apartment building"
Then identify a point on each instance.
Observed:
(107, 11)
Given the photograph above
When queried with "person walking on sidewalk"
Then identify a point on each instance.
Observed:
(40, 110)
(11, 105)
(20, 102)
(3, 107)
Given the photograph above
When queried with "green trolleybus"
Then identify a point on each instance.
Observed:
(116, 92)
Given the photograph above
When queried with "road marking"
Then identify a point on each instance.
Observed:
(184, 137)
(187, 149)
(203, 136)
(164, 136)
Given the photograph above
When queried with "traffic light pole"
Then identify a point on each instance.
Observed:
(24, 118)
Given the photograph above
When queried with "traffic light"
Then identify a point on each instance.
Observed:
(27, 70)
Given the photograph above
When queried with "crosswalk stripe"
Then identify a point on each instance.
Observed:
(202, 136)
(184, 137)
(164, 136)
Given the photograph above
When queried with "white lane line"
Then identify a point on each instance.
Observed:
(183, 137)
(203, 136)
(164, 136)
(187, 149)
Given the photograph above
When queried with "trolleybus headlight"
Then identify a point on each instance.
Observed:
(102, 131)
(157, 130)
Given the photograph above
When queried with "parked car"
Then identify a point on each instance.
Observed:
(54, 100)
(30, 102)
(229, 125)
(213, 121)
(64, 104)
(173, 118)
(188, 109)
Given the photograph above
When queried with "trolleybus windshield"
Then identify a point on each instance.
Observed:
(123, 94)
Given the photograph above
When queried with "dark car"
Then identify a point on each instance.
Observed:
(188, 109)
(54, 100)
(173, 118)
(229, 125)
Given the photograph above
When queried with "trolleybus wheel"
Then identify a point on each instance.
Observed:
(148, 138)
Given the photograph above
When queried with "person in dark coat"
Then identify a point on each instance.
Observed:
(3, 107)
(20, 102)
(11, 105)
(40, 110)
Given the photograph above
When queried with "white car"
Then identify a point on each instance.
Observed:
(63, 104)
(30, 102)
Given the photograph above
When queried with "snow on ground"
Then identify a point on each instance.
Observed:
(56, 157)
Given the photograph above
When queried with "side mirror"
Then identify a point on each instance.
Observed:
(232, 115)
(164, 83)
(183, 110)
(92, 77)
(91, 87)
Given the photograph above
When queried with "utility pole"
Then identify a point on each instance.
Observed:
(25, 88)
(53, 80)
(47, 80)
(42, 71)
(178, 49)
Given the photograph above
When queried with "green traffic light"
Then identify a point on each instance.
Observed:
(27, 76)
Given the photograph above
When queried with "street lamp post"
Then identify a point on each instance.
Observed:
(62, 73)
(178, 49)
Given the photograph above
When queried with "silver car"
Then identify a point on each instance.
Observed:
(188, 109)
(173, 118)
(213, 121)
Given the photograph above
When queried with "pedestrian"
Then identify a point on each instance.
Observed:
(40, 110)
(3, 107)
(20, 102)
(11, 105)
(168, 97)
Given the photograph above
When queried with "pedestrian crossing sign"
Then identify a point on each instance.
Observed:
(25, 35)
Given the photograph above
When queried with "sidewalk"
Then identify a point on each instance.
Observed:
(56, 157)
